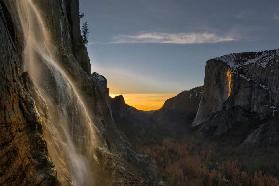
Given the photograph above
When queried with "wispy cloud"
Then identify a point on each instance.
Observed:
(276, 16)
(172, 38)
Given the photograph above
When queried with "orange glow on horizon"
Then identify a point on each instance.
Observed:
(146, 102)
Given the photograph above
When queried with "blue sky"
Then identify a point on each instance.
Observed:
(161, 46)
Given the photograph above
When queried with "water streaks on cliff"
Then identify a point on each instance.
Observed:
(229, 75)
(70, 132)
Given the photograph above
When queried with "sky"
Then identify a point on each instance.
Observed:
(160, 47)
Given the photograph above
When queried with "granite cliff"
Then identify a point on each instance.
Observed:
(240, 89)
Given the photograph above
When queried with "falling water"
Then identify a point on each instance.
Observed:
(69, 130)
(229, 75)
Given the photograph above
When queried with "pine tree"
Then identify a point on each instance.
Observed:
(81, 15)
(85, 32)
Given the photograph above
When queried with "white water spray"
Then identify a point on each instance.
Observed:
(69, 131)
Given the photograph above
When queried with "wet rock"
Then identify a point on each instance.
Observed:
(23, 153)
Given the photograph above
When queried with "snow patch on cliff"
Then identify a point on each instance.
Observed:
(261, 59)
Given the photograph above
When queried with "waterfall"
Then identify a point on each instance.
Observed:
(229, 75)
(69, 130)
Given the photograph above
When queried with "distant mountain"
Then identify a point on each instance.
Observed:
(173, 119)
(179, 112)
(184, 102)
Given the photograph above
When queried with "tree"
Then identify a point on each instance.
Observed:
(81, 15)
(85, 32)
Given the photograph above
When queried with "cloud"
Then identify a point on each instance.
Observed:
(276, 17)
(172, 38)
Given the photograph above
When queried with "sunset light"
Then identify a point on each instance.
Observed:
(146, 102)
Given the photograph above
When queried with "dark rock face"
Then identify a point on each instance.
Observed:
(235, 117)
(102, 83)
(132, 122)
(78, 48)
(267, 134)
(186, 101)
(122, 110)
(118, 104)
(239, 88)
(25, 156)
(186, 104)
(178, 112)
